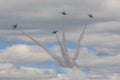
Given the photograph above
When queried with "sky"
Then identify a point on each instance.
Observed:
(22, 59)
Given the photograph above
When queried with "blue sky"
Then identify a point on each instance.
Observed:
(6, 43)
(99, 51)
(47, 64)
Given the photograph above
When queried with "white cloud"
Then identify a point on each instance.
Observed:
(24, 54)
(31, 15)
(6, 66)
(97, 66)
(113, 4)
(7, 72)
(114, 77)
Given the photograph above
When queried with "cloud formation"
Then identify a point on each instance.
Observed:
(10, 71)
(40, 18)
(22, 54)
(94, 66)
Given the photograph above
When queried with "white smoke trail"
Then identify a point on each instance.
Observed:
(55, 57)
(64, 41)
(64, 54)
(68, 59)
(78, 44)
(61, 47)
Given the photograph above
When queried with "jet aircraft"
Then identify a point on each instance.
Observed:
(54, 32)
(90, 15)
(14, 26)
(64, 13)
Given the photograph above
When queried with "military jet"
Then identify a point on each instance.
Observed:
(54, 32)
(64, 13)
(14, 26)
(90, 15)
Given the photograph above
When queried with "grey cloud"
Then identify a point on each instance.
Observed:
(39, 14)
(102, 33)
